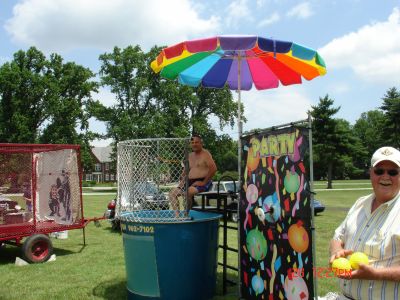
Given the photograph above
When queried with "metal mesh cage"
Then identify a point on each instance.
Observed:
(152, 176)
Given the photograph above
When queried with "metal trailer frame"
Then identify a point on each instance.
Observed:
(37, 246)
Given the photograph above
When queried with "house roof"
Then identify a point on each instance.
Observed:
(103, 154)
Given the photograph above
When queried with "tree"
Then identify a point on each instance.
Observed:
(351, 157)
(223, 149)
(24, 96)
(45, 100)
(391, 108)
(144, 103)
(370, 129)
(324, 137)
(206, 102)
(71, 89)
(337, 151)
(149, 106)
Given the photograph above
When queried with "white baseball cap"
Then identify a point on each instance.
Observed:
(386, 153)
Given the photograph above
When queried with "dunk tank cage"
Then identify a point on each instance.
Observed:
(40, 193)
(170, 251)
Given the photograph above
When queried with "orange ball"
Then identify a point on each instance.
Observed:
(298, 238)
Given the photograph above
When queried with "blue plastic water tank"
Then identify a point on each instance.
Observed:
(171, 260)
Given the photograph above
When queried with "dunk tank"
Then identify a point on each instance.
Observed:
(40, 194)
(170, 251)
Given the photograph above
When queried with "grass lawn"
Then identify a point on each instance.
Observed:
(97, 270)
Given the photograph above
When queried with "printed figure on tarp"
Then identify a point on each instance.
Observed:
(275, 213)
(64, 192)
(60, 193)
(58, 184)
(54, 203)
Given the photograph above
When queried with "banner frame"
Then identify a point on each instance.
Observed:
(308, 123)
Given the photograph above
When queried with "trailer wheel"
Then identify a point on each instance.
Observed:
(37, 248)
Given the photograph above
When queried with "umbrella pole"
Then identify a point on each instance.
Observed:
(239, 171)
(239, 117)
(312, 199)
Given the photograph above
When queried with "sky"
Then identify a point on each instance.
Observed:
(359, 41)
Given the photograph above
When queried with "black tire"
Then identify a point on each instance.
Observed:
(37, 248)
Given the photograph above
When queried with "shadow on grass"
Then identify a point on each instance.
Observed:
(115, 289)
(111, 230)
(232, 288)
(8, 253)
(62, 252)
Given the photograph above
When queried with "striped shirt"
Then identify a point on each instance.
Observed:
(378, 236)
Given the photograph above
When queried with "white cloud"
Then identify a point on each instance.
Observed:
(68, 24)
(268, 108)
(260, 3)
(274, 107)
(372, 52)
(270, 20)
(237, 11)
(301, 11)
(339, 88)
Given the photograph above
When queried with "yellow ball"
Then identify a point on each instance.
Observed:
(358, 258)
(341, 266)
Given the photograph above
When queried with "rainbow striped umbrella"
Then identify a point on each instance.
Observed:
(238, 62)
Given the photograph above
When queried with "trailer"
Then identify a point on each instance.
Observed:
(40, 194)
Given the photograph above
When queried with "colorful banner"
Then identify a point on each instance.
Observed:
(275, 216)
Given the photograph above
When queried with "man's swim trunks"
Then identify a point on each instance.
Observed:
(203, 188)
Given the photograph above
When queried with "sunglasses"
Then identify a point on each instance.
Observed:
(390, 172)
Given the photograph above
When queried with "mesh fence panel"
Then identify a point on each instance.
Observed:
(152, 180)
(15, 181)
(39, 188)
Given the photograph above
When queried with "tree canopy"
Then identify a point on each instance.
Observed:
(148, 106)
(46, 100)
(335, 148)
(391, 108)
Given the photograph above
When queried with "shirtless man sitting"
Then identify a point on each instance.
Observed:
(201, 169)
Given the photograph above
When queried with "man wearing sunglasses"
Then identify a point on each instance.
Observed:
(372, 226)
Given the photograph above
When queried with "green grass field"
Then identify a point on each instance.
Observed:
(97, 270)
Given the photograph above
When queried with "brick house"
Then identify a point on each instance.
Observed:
(104, 168)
